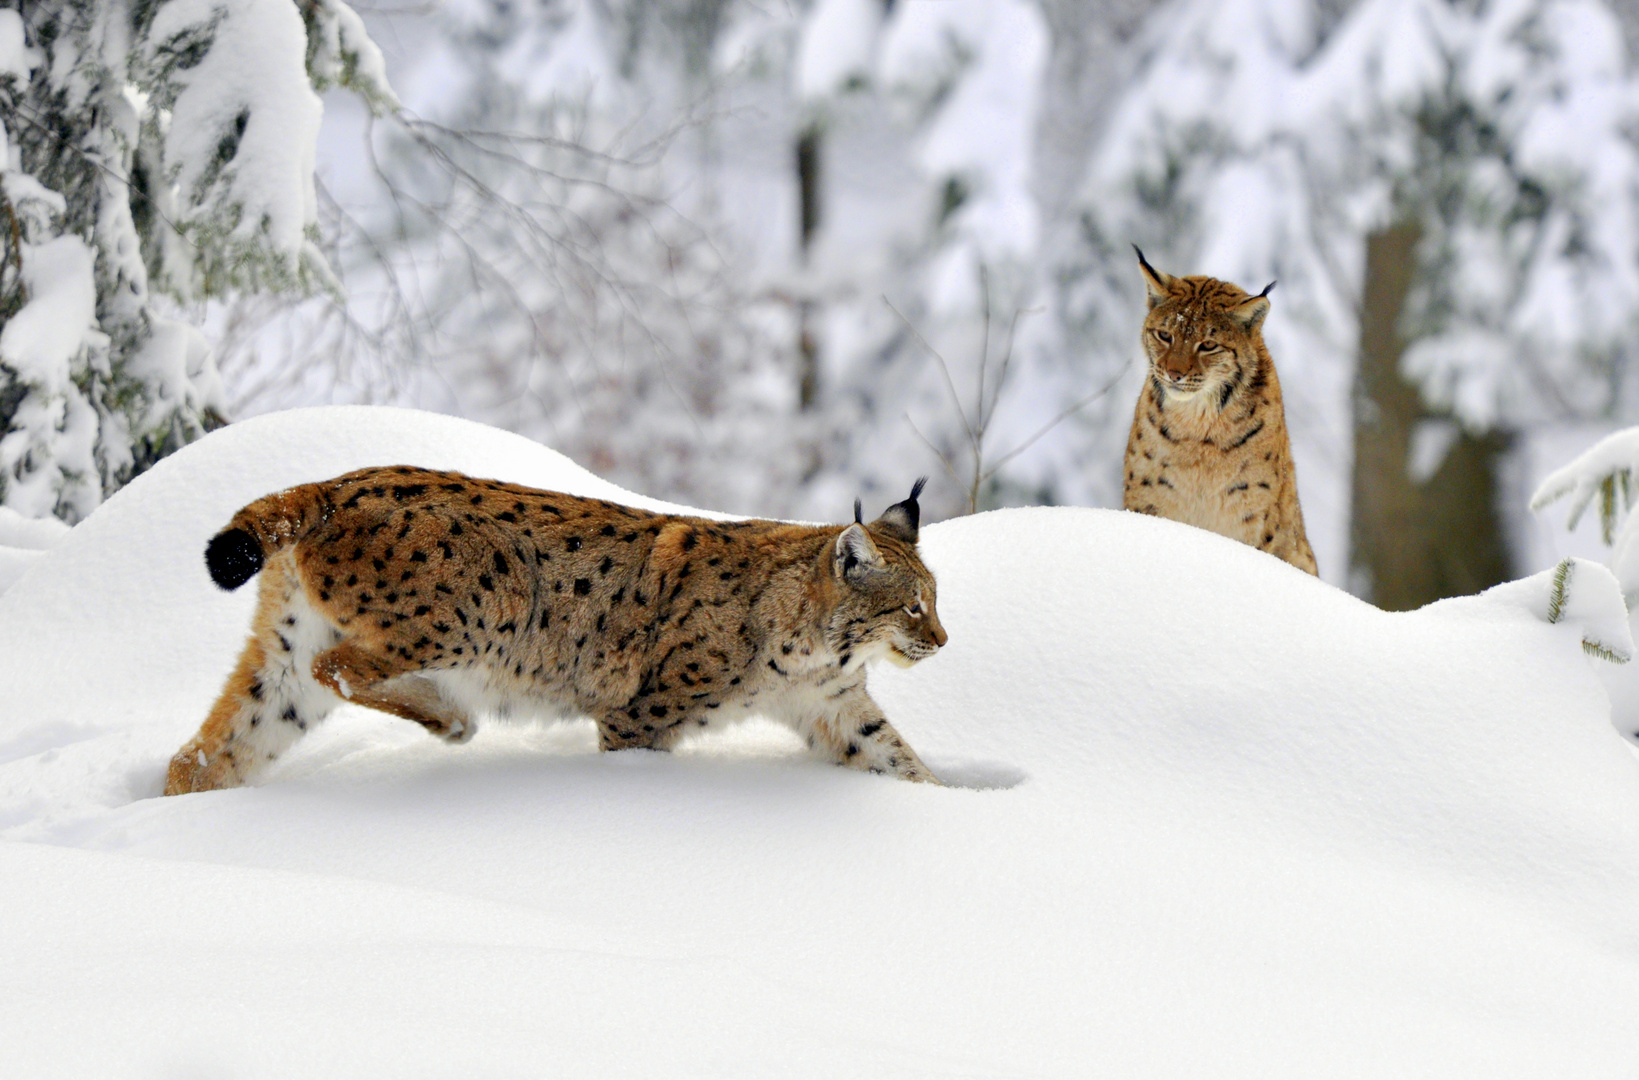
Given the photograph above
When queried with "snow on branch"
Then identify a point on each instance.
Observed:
(1605, 470)
(1578, 593)
(149, 150)
(1597, 609)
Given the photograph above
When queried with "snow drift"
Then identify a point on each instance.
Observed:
(1209, 817)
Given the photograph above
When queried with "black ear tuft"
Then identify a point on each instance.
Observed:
(1156, 283)
(233, 557)
(903, 519)
(859, 511)
(1267, 289)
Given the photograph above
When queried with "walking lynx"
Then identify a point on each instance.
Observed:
(433, 595)
(1208, 444)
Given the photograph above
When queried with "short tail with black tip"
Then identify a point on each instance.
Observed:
(237, 553)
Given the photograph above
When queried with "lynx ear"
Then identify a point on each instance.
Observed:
(1156, 284)
(1250, 312)
(855, 555)
(903, 519)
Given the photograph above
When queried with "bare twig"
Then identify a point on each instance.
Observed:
(987, 396)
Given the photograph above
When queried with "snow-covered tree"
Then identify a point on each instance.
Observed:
(914, 279)
(152, 155)
(540, 245)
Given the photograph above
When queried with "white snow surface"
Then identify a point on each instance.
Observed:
(38, 341)
(835, 45)
(16, 58)
(1209, 817)
(23, 540)
(254, 75)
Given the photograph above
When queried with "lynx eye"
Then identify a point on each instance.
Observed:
(914, 610)
(1166, 338)
(1209, 346)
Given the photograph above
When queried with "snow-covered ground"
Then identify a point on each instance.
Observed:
(23, 540)
(1209, 817)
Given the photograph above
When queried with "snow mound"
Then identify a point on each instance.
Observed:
(1234, 823)
(22, 541)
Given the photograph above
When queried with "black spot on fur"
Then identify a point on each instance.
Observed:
(583, 586)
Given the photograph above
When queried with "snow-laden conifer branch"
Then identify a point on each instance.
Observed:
(1561, 601)
(1604, 471)
(151, 154)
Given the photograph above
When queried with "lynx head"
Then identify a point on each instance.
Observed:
(1200, 332)
(885, 603)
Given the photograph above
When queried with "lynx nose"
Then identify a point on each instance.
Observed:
(938, 634)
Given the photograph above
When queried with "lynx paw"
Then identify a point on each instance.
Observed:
(457, 731)
(192, 771)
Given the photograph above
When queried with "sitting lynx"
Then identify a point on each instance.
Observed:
(1208, 444)
(432, 595)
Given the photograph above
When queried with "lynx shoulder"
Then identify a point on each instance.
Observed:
(1208, 444)
(434, 596)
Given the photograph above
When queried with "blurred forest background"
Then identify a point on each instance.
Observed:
(765, 255)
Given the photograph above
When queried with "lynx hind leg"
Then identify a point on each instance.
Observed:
(857, 735)
(269, 701)
(618, 731)
(391, 685)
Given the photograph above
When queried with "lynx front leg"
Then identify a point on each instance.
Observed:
(350, 672)
(857, 735)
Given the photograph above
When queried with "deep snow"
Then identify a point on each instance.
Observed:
(1218, 819)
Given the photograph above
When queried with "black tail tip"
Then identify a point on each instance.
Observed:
(233, 556)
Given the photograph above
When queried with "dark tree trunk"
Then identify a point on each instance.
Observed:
(1410, 543)
(808, 189)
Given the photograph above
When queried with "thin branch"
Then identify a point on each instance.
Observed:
(1057, 420)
